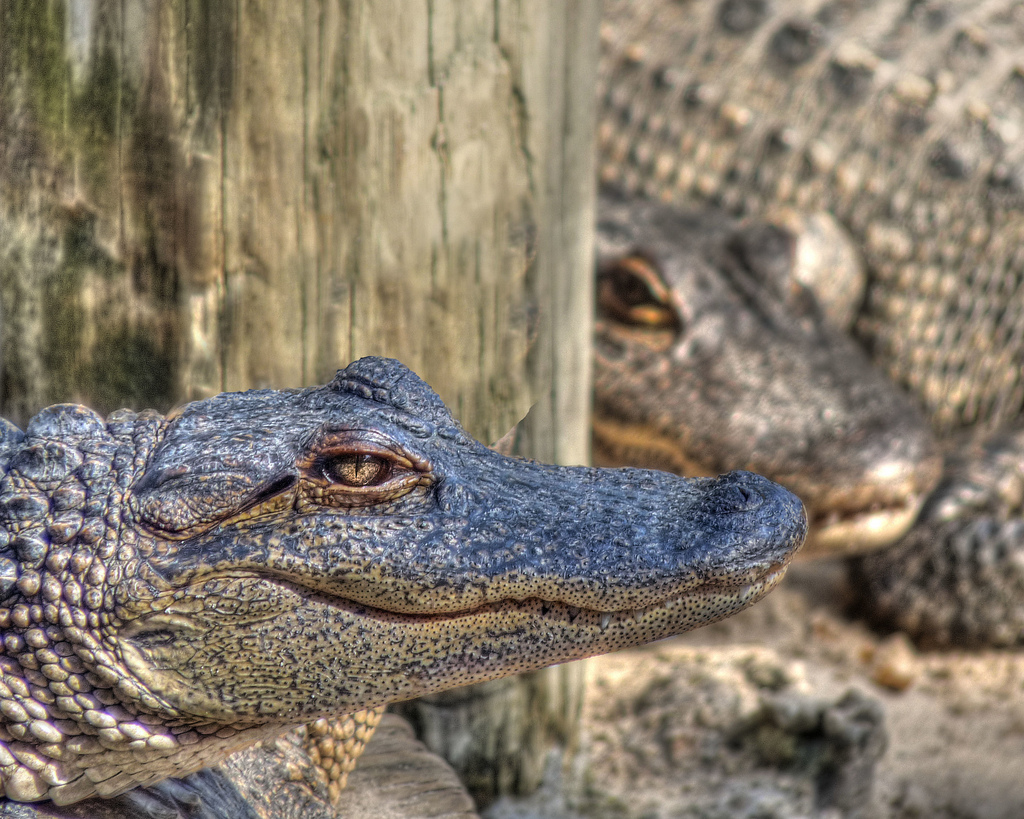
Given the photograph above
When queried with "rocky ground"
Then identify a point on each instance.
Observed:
(793, 710)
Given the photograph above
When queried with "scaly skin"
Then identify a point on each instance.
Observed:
(958, 576)
(902, 119)
(174, 589)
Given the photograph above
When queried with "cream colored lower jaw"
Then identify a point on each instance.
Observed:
(736, 597)
(863, 533)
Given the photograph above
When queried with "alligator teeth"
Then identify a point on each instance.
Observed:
(606, 620)
(745, 591)
(637, 614)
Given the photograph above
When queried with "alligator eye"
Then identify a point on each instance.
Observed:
(356, 469)
(351, 468)
(631, 291)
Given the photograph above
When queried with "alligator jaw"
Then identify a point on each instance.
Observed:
(559, 632)
(434, 652)
(426, 651)
(836, 535)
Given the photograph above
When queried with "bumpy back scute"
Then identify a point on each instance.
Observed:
(66, 422)
(55, 670)
(391, 383)
(53, 480)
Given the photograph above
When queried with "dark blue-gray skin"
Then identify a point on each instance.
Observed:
(175, 588)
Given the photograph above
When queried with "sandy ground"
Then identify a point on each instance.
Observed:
(751, 719)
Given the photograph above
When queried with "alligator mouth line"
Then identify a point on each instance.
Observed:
(740, 595)
(732, 597)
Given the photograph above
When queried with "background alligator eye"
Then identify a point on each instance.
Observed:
(631, 291)
(356, 469)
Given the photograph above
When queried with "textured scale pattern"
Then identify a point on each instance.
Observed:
(68, 566)
(67, 560)
(59, 525)
(904, 119)
(334, 745)
(958, 576)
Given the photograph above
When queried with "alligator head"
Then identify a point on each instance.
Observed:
(710, 355)
(174, 588)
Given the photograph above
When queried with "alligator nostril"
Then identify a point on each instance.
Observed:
(734, 497)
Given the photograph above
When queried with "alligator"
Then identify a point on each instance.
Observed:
(255, 566)
(900, 122)
(710, 355)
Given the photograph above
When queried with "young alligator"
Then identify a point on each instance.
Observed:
(902, 120)
(173, 589)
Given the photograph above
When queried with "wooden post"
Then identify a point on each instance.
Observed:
(198, 196)
(498, 734)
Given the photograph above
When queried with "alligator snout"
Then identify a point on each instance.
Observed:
(740, 492)
(770, 521)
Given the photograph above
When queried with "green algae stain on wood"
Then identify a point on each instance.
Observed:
(32, 51)
(104, 329)
(62, 331)
(87, 305)
(72, 101)
(128, 369)
(94, 123)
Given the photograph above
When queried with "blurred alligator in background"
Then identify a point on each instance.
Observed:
(710, 354)
(174, 589)
(899, 126)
